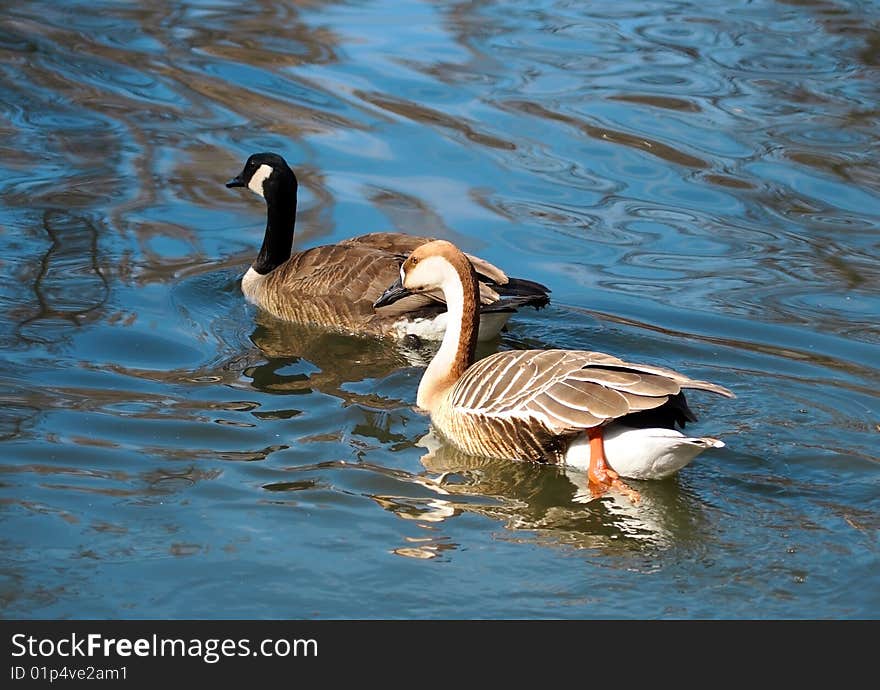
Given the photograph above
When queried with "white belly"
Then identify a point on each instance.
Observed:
(641, 453)
(434, 328)
(250, 284)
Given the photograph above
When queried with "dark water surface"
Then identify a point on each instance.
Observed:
(698, 182)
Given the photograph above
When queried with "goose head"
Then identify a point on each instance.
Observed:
(434, 265)
(268, 175)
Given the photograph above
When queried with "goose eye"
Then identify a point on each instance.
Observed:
(413, 261)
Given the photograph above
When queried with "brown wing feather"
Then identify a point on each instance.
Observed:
(487, 270)
(361, 264)
(351, 271)
(397, 243)
(565, 390)
(336, 284)
(403, 245)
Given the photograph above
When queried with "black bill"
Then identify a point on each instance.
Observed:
(236, 182)
(391, 295)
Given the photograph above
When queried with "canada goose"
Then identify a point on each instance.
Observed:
(580, 408)
(336, 285)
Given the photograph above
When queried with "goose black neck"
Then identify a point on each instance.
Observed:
(280, 221)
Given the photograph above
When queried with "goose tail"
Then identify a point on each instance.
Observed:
(520, 292)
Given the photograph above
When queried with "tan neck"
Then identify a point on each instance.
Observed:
(457, 350)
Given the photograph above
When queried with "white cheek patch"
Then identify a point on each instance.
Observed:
(402, 274)
(257, 179)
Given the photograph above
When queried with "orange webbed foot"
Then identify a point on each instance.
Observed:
(600, 475)
(597, 488)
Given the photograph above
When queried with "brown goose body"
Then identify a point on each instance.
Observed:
(554, 405)
(531, 404)
(335, 285)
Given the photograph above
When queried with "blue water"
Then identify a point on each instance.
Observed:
(698, 183)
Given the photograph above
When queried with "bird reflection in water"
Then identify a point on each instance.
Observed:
(328, 361)
(555, 503)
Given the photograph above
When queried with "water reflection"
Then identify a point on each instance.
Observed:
(554, 504)
(697, 181)
(302, 359)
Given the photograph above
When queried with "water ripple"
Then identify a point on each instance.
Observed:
(697, 182)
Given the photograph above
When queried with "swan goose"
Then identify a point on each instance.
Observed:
(586, 409)
(336, 285)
